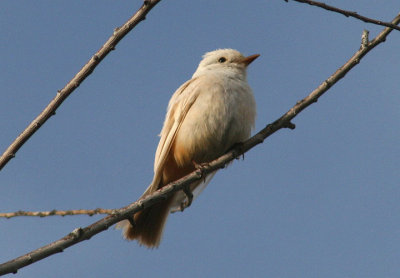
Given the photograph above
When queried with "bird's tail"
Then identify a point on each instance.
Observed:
(149, 224)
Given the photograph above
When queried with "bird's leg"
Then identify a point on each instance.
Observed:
(200, 167)
(189, 196)
(187, 190)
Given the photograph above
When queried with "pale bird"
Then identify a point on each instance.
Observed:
(206, 116)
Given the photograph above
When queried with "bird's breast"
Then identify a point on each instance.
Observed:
(221, 116)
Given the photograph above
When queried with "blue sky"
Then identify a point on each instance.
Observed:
(319, 201)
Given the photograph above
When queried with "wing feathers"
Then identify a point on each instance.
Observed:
(178, 108)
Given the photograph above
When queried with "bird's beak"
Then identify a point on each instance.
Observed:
(247, 60)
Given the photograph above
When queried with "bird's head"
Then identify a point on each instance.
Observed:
(224, 60)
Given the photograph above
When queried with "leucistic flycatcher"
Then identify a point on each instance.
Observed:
(206, 116)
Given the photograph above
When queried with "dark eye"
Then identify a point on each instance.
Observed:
(222, 60)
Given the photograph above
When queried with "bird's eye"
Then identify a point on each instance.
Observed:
(222, 60)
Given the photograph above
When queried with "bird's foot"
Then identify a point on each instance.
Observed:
(238, 149)
(200, 167)
(131, 220)
(189, 196)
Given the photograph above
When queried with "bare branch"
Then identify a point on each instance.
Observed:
(87, 69)
(364, 38)
(348, 13)
(89, 212)
(81, 234)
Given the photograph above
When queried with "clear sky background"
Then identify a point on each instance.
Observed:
(322, 200)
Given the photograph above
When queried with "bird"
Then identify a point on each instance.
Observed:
(206, 116)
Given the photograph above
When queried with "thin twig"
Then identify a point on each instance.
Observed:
(348, 13)
(81, 234)
(89, 212)
(86, 70)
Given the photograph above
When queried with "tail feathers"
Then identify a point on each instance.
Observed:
(149, 224)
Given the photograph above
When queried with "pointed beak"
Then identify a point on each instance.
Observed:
(247, 60)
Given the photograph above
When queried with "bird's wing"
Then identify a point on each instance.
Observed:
(178, 107)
